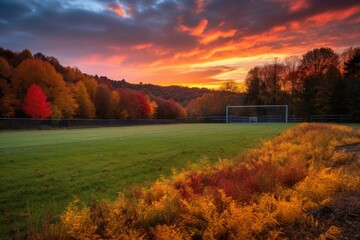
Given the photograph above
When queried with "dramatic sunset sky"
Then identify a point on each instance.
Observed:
(176, 42)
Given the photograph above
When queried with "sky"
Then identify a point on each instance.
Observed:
(195, 43)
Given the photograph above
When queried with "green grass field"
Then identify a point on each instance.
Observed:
(42, 171)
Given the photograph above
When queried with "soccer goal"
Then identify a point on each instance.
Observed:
(257, 114)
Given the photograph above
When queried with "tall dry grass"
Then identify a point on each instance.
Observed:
(271, 193)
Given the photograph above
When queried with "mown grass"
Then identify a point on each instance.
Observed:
(42, 171)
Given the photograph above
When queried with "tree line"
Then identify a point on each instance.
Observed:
(29, 82)
(320, 82)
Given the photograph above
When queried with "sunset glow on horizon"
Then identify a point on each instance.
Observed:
(199, 43)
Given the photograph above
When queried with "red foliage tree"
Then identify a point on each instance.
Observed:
(35, 104)
(145, 107)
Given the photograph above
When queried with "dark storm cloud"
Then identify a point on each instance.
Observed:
(151, 20)
(84, 27)
(147, 31)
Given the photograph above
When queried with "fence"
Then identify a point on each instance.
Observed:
(272, 118)
(256, 119)
(331, 118)
(210, 119)
(28, 123)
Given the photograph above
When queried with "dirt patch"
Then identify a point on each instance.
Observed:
(341, 218)
(353, 149)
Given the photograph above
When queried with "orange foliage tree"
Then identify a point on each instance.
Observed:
(35, 104)
(8, 101)
(35, 71)
(86, 108)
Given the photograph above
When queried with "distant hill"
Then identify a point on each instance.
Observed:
(182, 95)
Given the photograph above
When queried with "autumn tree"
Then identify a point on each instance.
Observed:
(272, 79)
(127, 103)
(91, 86)
(212, 104)
(52, 60)
(115, 108)
(326, 91)
(102, 101)
(352, 78)
(292, 72)
(22, 56)
(168, 109)
(252, 84)
(317, 62)
(5, 69)
(35, 104)
(8, 55)
(291, 84)
(130, 104)
(9, 103)
(86, 108)
(66, 103)
(346, 55)
(315, 65)
(209, 104)
(352, 66)
(72, 74)
(230, 86)
(264, 84)
(147, 107)
(35, 71)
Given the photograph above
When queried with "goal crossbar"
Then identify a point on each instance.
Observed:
(256, 106)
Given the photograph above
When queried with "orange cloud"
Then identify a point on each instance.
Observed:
(119, 9)
(142, 46)
(187, 54)
(196, 31)
(278, 29)
(295, 6)
(221, 49)
(199, 29)
(324, 18)
(205, 37)
(215, 35)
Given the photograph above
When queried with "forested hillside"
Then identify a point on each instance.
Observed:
(320, 82)
(182, 95)
(73, 94)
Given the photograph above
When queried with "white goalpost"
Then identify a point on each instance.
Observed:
(257, 113)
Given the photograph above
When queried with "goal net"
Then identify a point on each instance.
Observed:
(257, 114)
